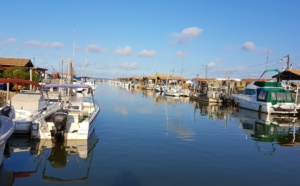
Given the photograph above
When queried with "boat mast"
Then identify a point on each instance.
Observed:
(86, 62)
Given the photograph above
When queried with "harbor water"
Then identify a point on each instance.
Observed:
(143, 138)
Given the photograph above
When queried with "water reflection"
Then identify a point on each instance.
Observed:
(56, 161)
(212, 110)
(268, 131)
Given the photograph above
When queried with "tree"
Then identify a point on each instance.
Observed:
(20, 73)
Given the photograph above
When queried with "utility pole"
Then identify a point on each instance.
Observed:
(62, 65)
(205, 71)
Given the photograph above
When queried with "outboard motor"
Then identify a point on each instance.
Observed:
(60, 121)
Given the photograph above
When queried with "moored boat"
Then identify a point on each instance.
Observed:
(267, 97)
(75, 118)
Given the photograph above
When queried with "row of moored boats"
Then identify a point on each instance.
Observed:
(54, 111)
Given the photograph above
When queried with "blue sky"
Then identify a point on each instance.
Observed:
(120, 38)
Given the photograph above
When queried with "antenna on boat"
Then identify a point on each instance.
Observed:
(267, 61)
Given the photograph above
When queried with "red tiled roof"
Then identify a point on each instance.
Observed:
(14, 61)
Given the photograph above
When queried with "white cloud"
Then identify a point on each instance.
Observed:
(124, 51)
(211, 64)
(44, 44)
(147, 53)
(248, 46)
(10, 41)
(180, 53)
(186, 35)
(129, 66)
(95, 49)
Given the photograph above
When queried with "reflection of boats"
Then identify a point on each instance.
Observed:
(269, 128)
(268, 97)
(175, 125)
(69, 160)
(211, 110)
(7, 127)
(60, 161)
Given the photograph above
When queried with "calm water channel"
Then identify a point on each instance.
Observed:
(147, 139)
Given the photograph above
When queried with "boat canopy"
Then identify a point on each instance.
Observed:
(67, 86)
(267, 84)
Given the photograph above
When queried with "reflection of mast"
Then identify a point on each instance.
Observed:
(167, 118)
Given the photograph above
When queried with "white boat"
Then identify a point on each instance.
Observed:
(27, 106)
(267, 97)
(184, 92)
(7, 127)
(75, 118)
(171, 91)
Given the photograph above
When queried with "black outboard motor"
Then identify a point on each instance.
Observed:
(60, 118)
(6, 111)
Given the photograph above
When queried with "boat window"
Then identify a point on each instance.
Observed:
(281, 96)
(262, 95)
(250, 91)
(288, 97)
(273, 96)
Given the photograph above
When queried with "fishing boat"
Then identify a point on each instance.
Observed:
(212, 95)
(266, 97)
(74, 119)
(171, 91)
(27, 106)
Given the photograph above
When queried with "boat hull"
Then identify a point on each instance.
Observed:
(74, 130)
(250, 102)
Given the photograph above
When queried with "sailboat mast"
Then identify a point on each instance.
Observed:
(74, 38)
(182, 67)
(86, 61)
(73, 60)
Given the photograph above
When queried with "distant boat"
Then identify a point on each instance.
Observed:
(267, 97)
(213, 95)
(171, 91)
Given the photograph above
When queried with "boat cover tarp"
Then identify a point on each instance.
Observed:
(67, 86)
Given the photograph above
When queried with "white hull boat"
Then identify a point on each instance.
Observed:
(73, 121)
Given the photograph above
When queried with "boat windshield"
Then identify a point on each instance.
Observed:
(249, 91)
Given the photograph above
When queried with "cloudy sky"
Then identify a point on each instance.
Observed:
(119, 38)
